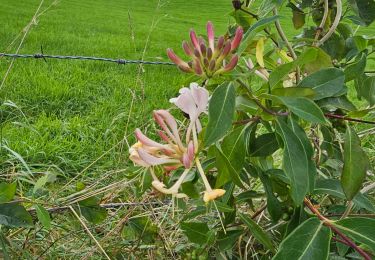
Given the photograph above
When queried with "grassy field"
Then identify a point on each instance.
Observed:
(76, 118)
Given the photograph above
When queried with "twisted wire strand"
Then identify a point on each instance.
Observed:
(118, 61)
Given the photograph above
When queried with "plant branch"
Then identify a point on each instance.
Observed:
(348, 118)
(334, 24)
(323, 22)
(287, 43)
(330, 225)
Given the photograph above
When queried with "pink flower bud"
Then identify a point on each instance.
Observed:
(209, 53)
(187, 48)
(175, 59)
(198, 68)
(237, 38)
(220, 42)
(194, 39)
(203, 49)
(210, 35)
(232, 63)
(226, 49)
(212, 65)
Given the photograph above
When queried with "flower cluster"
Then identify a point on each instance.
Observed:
(208, 60)
(175, 152)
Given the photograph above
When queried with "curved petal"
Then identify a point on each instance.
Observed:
(147, 141)
(210, 35)
(153, 160)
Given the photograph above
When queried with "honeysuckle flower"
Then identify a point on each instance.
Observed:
(173, 153)
(192, 101)
(208, 60)
(147, 152)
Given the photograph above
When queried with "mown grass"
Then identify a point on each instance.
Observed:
(77, 117)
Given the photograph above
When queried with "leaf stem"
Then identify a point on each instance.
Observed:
(330, 225)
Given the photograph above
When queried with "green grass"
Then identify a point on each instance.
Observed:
(76, 110)
(70, 116)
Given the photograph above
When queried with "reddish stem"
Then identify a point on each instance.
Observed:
(349, 118)
(329, 224)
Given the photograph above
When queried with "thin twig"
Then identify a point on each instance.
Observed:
(349, 118)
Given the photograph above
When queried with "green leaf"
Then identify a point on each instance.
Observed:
(355, 69)
(311, 240)
(274, 206)
(300, 132)
(7, 191)
(278, 74)
(294, 92)
(333, 103)
(264, 145)
(295, 162)
(43, 216)
(226, 241)
(144, 227)
(356, 163)
(305, 109)
(360, 229)
(226, 171)
(14, 215)
(325, 82)
(246, 105)
(220, 113)
(257, 232)
(333, 187)
(233, 146)
(92, 211)
(365, 87)
(196, 232)
(364, 9)
(222, 207)
(253, 30)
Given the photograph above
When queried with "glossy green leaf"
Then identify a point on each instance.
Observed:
(196, 232)
(263, 145)
(220, 113)
(257, 232)
(355, 69)
(7, 191)
(325, 83)
(311, 240)
(14, 215)
(356, 163)
(333, 187)
(304, 108)
(43, 216)
(295, 162)
(360, 229)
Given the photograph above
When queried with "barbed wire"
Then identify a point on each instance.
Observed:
(118, 61)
